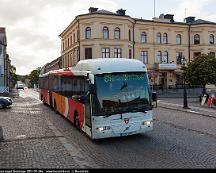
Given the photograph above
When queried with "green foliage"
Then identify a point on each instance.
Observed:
(34, 76)
(201, 71)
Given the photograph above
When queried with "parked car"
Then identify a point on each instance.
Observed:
(5, 101)
(20, 86)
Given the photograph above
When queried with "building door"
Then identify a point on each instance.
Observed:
(163, 80)
(88, 53)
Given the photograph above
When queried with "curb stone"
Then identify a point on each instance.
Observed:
(1, 134)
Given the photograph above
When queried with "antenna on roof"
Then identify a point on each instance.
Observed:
(154, 8)
(185, 14)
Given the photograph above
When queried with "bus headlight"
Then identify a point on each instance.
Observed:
(147, 123)
(101, 129)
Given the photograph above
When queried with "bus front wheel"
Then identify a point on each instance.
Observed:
(76, 121)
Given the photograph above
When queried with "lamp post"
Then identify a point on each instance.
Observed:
(185, 102)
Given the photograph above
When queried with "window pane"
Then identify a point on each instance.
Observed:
(117, 33)
(211, 39)
(159, 38)
(88, 33)
(178, 39)
(196, 39)
(144, 57)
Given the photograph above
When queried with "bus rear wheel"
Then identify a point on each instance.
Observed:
(76, 121)
(55, 108)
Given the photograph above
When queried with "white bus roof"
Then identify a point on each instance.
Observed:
(110, 65)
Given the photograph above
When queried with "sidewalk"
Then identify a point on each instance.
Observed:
(194, 107)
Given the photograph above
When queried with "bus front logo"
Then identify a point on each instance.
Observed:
(126, 120)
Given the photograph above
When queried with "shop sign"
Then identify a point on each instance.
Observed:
(167, 66)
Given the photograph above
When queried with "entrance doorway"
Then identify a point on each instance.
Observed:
(163, 80)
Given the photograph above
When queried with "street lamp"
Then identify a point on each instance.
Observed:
(185, 103)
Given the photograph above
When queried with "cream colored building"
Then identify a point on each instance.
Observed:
(162, 44)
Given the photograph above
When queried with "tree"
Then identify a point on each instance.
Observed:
(14, 77)
(201, 71)
(34, 76)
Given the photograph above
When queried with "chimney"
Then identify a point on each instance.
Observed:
(190, 19)
(121, 12)
(92, 9)
(169, 16)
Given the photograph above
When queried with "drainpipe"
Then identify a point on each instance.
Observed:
(189, 43)
(134, 40)
(78, 37)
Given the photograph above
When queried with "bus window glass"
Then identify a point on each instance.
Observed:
(122, 92)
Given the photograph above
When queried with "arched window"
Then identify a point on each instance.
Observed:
(165, 58)
(105, 33)
(129, 35)
(178, 39)
(196, 39)
(117, 33)
(159, 38)
(159, 57)
(88, 33)
(165, 38)
(143, 37)
(211, 39)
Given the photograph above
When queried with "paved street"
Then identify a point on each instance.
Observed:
(36, 137)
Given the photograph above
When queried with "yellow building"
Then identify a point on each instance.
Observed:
(161, 43)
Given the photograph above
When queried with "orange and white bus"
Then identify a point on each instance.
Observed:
(102, 97)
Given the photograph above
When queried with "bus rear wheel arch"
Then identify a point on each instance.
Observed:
(76, 120)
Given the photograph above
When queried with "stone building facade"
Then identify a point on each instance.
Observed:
(163, 44)
(5, 63)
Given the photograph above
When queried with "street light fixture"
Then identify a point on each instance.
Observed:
(185, 102)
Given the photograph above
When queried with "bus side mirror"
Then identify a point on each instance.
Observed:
(92, 89)
(154, 96)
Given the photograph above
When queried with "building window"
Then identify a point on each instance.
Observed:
(159, 38)
(117, 33)
(78, 35)
(178, 39)
(129, 35)
(71, 42)
(88, 53)
(143, 37)
(165, 38)
(88, 33)
(165, 58)
(63, 45)
(197, 39)
(179, 58)
(105, 33)
(105, 52)
(197, 54)
(117, 52)
(130, 53)
(211, 39)
(74, 38)
(68, 42)
(212, 54)
(159, 57)
(144, 57)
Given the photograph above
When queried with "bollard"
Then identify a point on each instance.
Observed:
(1, 134)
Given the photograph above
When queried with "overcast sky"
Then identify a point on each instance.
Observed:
(33, 26)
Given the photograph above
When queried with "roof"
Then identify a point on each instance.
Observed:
(200, 21)
(110, 65)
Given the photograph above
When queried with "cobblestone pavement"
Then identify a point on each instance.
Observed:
(179, 140)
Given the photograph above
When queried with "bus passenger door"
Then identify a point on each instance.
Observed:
(88, 123)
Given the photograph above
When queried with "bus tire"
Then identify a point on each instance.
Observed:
(76, 121)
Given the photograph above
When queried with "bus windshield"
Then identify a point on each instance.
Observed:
(120, 93)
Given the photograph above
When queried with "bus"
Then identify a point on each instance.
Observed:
(102, 97)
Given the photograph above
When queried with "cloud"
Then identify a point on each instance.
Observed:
(33, 26)
(192, 7)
